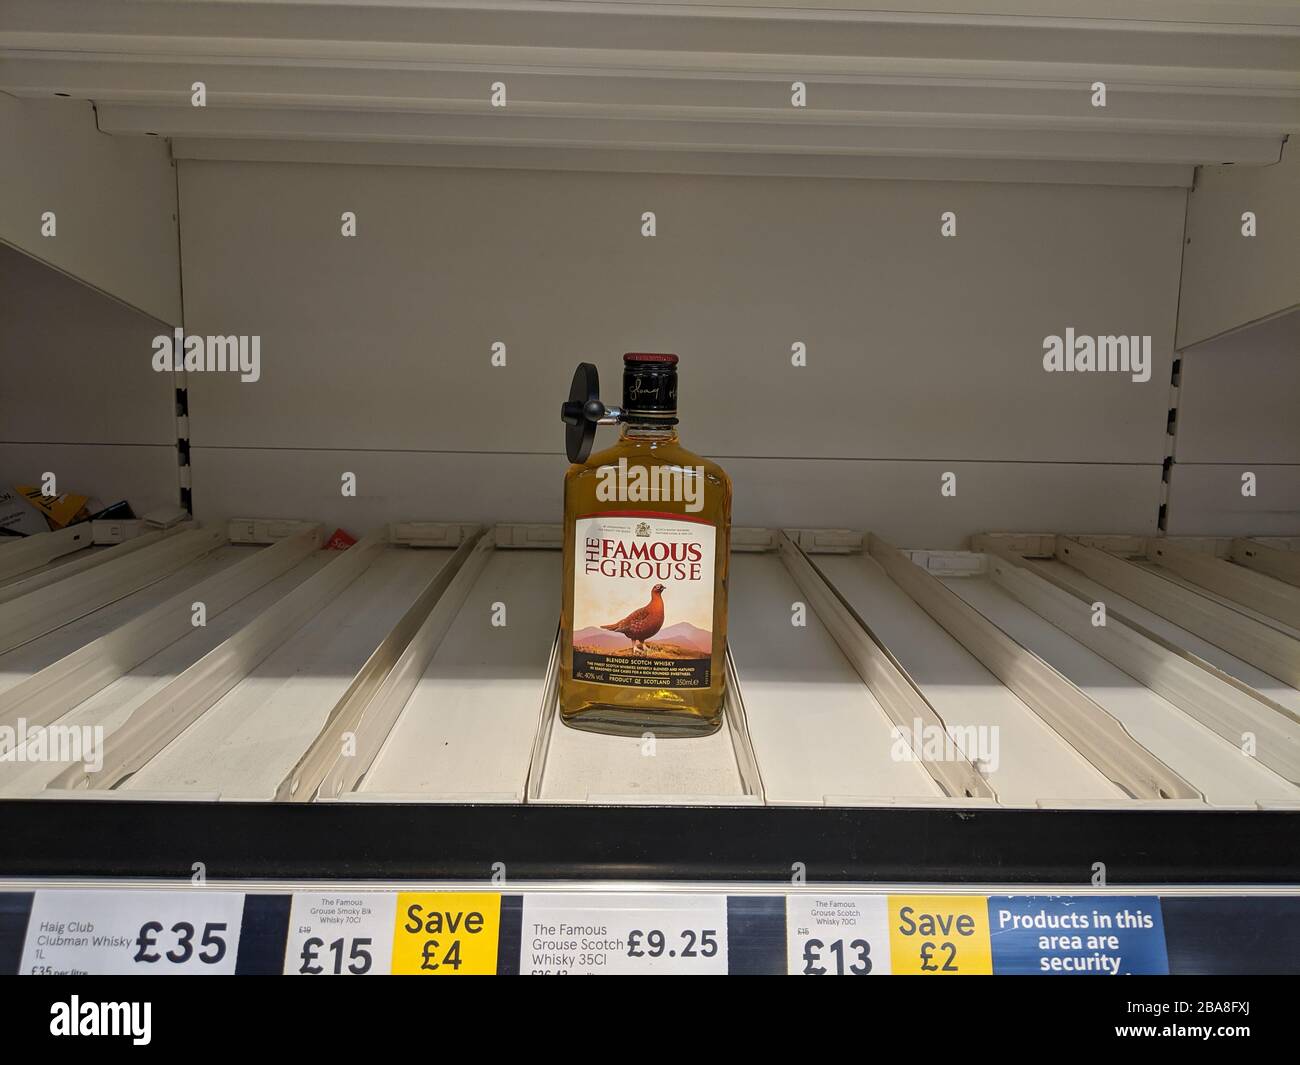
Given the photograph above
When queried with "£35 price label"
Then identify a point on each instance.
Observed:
(940, 935)
(444, 933)
(610, 932)
(837, 935)
(114, 932)
(340, 933)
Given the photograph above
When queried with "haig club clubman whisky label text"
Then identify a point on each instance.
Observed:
(643, 604)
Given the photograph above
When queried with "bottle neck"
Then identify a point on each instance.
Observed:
(648, 432)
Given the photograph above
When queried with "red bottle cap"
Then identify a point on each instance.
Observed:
(649, 356)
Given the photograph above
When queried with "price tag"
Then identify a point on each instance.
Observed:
(623, 933)
(115, 932)
(837, 935)
(445, 933)
(939, 935)
(339, 933)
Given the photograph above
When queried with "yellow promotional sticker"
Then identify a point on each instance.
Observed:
(939, 935)
(444, 933)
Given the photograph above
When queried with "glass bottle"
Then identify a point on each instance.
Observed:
(643, 630)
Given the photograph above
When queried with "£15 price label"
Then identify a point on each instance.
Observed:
(115, 932)
(445, 933)
(837, 935)
(939, 935)
(340, 933)
(614, 932)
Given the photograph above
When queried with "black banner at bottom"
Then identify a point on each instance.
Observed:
(169, 1014)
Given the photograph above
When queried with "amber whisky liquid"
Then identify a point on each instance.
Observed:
(658, 567)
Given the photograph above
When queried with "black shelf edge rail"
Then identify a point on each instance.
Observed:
(54, 838)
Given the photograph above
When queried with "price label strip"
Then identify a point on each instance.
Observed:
(341, 933)
(616, 933)
(1105, 935)
(837, 935)
(120, 932)
(939, 935)
(444, 933)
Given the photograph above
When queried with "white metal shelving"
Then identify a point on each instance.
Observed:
(681, 85)
(818, 731)
(421, 666)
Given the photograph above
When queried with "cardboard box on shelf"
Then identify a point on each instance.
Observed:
(18, 517)
(60, 510)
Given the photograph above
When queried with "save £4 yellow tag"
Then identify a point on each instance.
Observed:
(445, 933)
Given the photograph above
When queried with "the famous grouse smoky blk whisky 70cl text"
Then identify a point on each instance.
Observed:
(647, 523)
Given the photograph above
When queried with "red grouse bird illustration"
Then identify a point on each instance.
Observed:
(641, 624)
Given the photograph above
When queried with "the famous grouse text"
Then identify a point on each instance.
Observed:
(661, 560)
(643, 600)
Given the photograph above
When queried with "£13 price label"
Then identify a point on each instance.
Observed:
(940, 935)
(445, 933)
(114, 932)
(598, 932)
(837, 935)
(340, 933)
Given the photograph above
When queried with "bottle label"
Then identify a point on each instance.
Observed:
(643, 599)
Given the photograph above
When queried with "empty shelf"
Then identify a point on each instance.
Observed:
(1218, 769)
(243, 746)
(1262, 682)
(818, 732)
(21, 662)
(1033, 763)
(1223, 600)
(112, 706)
(467, 730)
(587, 767)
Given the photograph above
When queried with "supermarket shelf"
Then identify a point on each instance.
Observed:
(662, 81)
(42, 610)
(453, 841)
(1277, 562)
(421, 666)
(1274, 651)
(819, 732)
(19, 557)
(466, 731)
(1197, 625)
(251, 737)
(23, 669)
(86, 556)
(1034, 764)
(1209, 761)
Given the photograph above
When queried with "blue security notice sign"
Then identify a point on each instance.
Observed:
(1100, 935)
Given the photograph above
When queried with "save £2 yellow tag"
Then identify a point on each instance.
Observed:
(939, 935)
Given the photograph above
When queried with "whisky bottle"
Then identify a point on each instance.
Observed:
(647, 524)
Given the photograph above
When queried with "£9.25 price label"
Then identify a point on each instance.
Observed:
(118, 932)
(939, 935)
(837, 935)
(340, 933)
(616, 933)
